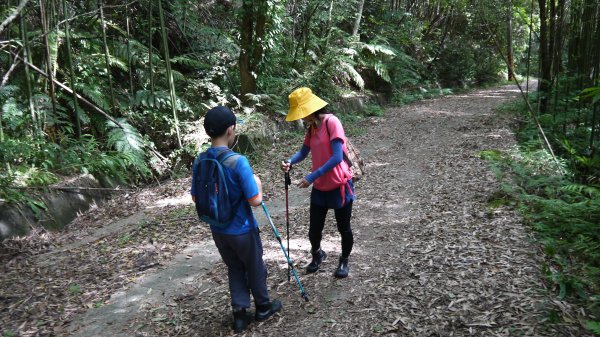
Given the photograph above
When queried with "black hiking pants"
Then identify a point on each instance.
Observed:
(243, 255)
(317, 223)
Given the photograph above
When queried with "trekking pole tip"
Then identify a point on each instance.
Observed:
(305, 297)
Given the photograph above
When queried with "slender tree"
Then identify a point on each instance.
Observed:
(509, 43)
(165, 44)
(27, 57)
(129, 51)
(107, 58)
(359, 13)
(76, 116)
(252, 31)
(150, 48)
(49, 62)
(545, 60)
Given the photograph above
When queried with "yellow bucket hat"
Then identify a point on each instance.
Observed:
(303, 103)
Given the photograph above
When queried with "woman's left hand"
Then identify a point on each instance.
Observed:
(303, 183)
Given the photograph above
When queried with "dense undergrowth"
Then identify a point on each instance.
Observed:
(146, 72)
(559, 198)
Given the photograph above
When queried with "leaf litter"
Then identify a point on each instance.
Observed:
(431, 258)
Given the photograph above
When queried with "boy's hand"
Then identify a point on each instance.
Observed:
(285, 166)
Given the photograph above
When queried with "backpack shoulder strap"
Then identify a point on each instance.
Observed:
(344, 154)
(228, 158)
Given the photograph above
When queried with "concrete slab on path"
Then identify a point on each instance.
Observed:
(116, 318)
(157, 287)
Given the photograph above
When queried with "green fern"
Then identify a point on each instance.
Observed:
(350, 72)
(94, 94)
(190, 60)
(177, 76)
(593, 93)
(588, 190)
(126, 139)
(377, 49)
(593, 326)
(54, 39)
(382, 70)
(113, 61)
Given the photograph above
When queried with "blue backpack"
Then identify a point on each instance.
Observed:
(213, 203)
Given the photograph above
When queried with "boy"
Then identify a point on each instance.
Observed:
(239, 243)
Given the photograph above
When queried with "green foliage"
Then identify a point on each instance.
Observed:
(565, 215)
(592, 93)
(374, 110)
(406, 53)
(129, 144)
(593, 327)
(74, 289)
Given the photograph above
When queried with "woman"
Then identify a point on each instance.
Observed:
(331, 175)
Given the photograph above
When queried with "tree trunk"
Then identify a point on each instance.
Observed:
(252, 30)
(573, 44)
(129, 52)
(107, 59)
(329, 22)
(529, 50)
(44, 23)
(552, 39)
(27, 57)
(596, 48)
(359, 13)
(247, 80)
(587, 46)
(150, 66)
(558, 38)
(545, 61)
(509, 42)
(71, 71)
(165, 44)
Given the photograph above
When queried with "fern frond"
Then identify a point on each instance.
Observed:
(94, 94)
(382, 71)
(190, 60)
(378, 49)
(589, 190)
(54, 39)
(177, 76)
(593, 326)
(125, 140)
(10, 109)
(352, 74)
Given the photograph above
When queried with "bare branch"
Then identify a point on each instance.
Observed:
(7, 75)
(13, 15)
(70, 91)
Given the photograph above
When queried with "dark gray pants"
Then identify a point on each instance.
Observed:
(245, 267)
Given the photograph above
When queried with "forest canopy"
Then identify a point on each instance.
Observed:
(107, 86)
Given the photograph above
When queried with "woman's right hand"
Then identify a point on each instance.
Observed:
(285, 166)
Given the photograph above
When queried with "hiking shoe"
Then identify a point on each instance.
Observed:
(265, 311)
(241, 319)
(317, 257)
(342, 269)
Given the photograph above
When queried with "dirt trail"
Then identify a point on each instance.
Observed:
(431, 257)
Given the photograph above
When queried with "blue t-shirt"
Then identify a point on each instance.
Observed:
(241, 185)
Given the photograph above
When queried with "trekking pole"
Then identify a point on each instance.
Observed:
(288, 182)
(290, 264)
